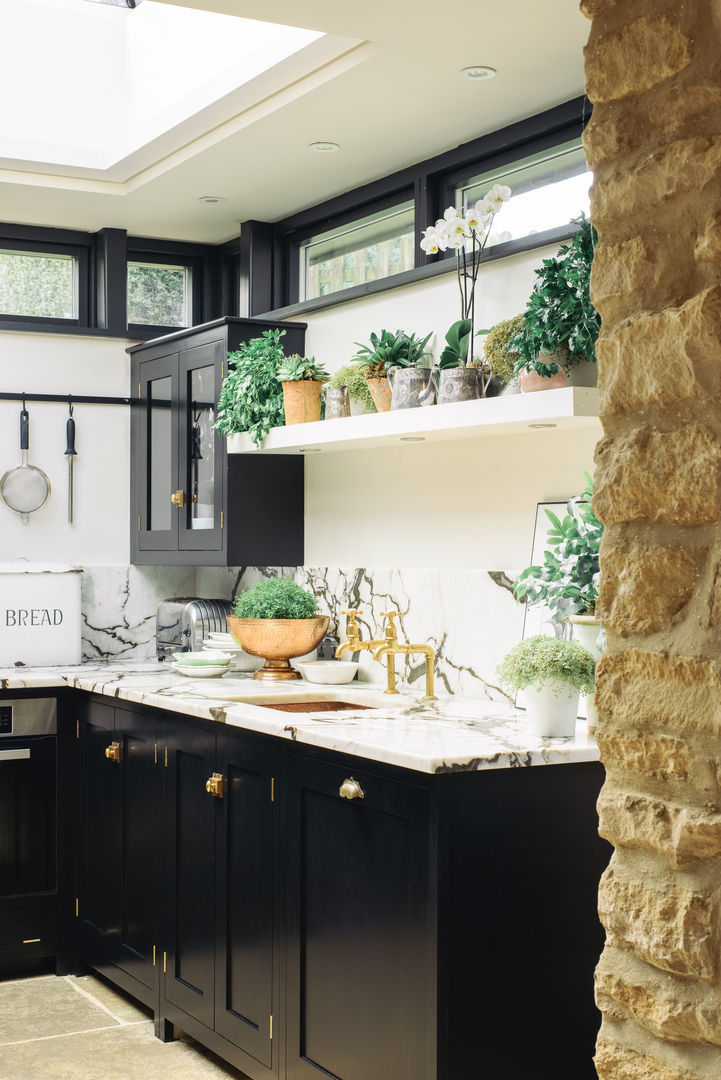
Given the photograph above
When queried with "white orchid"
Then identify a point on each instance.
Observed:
(454, 230)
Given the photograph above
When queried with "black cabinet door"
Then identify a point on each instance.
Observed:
(140, 843)
(101, 832)
(201, 449)
(361, 973)
(246, 903)
(189, 908)
(154, 435)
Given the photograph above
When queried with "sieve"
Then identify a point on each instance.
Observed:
(25, 488)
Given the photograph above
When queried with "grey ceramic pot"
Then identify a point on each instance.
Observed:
(408, 386)
(337, 401)
(457, 384)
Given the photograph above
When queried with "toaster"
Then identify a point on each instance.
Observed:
(182, 623)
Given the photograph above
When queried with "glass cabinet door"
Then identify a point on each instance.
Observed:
(158, 456)
(201, 447)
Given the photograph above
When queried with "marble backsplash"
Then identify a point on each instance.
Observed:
(469, 616)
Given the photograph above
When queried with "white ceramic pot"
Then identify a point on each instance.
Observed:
(551, 710)
(586, 629)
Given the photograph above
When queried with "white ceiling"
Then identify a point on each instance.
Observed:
(384, 84)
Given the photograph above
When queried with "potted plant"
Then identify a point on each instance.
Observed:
(352, 377)
(302, 379)
(387, 352)
(499, 353)
(467, 234)
(277, 619)
(561, 324)
(553, 673)
(251, 398)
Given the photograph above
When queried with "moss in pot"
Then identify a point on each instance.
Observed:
(277, 619)
(553, 672)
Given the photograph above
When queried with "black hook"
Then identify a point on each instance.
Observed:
(70, 404)
(23, 401)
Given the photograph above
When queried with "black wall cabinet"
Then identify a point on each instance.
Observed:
(191, 502)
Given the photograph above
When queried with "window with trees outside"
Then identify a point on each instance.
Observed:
(366, 249)
(159, 294)
(38, 284)
(549, 188)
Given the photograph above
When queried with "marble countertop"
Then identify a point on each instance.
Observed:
(455, 735)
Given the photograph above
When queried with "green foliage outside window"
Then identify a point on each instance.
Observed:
(157, 295)
(41, 286)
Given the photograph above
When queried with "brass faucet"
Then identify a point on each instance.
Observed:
(354, 642)
(391, 647)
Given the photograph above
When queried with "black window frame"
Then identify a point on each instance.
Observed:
(170, 253)
(432, 184)
(39, 241)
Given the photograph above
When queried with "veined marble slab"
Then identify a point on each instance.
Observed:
(457, 735)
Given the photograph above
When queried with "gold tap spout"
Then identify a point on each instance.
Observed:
(354, 642)
(391, 648)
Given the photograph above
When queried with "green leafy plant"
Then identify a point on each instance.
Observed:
(389, 349)
(498, 349)
(295, 367)
(559, 311)
(567, 583)
(251, 398)
(352, 376)
(458, 338)
(276, 598)
(539, 660)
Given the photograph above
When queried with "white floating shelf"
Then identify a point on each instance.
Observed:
(571, 407)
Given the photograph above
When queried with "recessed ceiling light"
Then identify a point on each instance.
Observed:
(478, 72)
(542, 427)
(211, 200)
(413, 438)
(324, 147)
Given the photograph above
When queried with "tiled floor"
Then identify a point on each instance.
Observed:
(78, 1028)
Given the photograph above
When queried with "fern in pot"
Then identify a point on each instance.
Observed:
(553, 673)
(351, 376)
(251, 398)
(380, 361)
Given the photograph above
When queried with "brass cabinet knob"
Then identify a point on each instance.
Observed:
(214, 785)
(178, 498)
(351, 789)
(112, 752)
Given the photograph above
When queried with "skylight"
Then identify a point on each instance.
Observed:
(105, 80)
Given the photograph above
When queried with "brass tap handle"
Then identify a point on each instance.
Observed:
(390, 629)
(214, 785)
(178, 498)
(113, 752)
(352, 612)
(351, 789)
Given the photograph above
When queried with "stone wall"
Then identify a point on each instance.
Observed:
(653, 70)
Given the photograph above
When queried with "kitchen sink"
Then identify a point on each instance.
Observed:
(313, 706)
(303, 699)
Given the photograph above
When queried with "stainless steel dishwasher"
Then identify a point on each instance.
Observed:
(28, 830)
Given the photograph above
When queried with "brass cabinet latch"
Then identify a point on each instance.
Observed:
(214, 786)
(178, 498)
(113, 752)
(351, 789)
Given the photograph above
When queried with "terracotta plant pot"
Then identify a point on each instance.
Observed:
(531, 381)
(277, 641)
(301, 401)
(381, 394)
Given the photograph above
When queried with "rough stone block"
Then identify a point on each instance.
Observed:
(639, 690)
(644, 586)
(673, 928)
(656, 475)
(635, 57)
(616, 1062)
(657, 359)
(658, 756)
(683, 167)
(670, 1008)
(681, 833)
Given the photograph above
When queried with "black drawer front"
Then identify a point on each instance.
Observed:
(27, 933)
(27, 816)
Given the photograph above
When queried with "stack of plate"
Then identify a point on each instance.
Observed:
(226, 644)
(202, 665)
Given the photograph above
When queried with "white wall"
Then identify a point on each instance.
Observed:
(456, 505)
(62, 364)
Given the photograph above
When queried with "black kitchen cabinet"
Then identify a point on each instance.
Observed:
(120, 841)
(361, 934)
(192, 502)
(220, 922)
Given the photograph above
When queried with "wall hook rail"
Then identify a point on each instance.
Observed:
(67, 399)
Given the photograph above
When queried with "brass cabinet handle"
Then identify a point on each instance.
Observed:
(113, 752)
(178, 498)
(214, 786)
(351, 789)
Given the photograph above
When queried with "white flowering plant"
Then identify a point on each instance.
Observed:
(453, 232)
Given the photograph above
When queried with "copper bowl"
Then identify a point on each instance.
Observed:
(277, 641)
